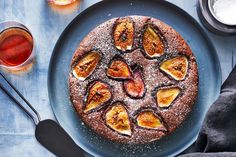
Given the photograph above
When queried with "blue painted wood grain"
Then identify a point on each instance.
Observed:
(16, 130)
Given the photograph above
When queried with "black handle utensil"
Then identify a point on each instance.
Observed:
(48, 132)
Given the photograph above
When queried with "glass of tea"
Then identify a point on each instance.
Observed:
(16, 45)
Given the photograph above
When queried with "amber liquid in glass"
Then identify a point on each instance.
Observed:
(16, 46)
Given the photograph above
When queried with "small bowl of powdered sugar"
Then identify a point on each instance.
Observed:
(219, 16)
(223, 10)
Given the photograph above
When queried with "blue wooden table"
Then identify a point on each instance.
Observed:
(46, 24)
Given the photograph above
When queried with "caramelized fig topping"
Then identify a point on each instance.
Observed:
(176, 67)
(123, 34)
(98, 94)
(135, 87)
(119, 69)
(165, 97)
(149, 120)
(153, 44)
(117, 118)
(86, 65)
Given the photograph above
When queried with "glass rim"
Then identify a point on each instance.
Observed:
(8, 24)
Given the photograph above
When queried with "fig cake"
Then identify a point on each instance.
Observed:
(133, 79)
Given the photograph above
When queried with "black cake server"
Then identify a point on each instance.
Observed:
(48, 132)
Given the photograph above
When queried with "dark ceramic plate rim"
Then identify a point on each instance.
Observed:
(185, 14)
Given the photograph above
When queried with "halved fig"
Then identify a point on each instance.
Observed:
(97, 95)
(135, 87)
(86, 65)
(176, 67)
(149, 120)
(123, 34)
(153, 44)
(117, 118)
(119, 69)
(165, 97)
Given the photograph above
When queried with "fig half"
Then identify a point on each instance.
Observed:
(165, 97)
(123, 34)
(98, 94)
(149, 120)
(153, 44)
(118, 69)
(86, 65)
(135, 87)
(176, 67)
(117, 118)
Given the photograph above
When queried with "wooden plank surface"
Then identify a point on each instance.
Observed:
(16, 130)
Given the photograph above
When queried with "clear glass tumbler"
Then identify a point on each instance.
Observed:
(17, 48)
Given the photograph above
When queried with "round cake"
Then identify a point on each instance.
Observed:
(133, 79)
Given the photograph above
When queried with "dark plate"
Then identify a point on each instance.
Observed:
(189, 29)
